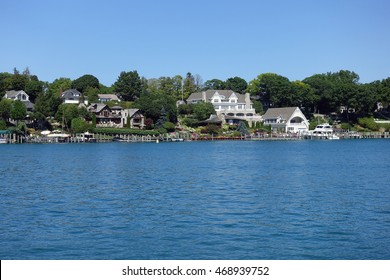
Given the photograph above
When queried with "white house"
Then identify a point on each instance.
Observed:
(287, 119)
(230, 106)
(20, 95)
(73, 96)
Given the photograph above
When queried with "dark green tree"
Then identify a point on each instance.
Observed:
(129, 85)
(273, 90)
(202, 110)
(5, 109)
(18, 111)
(236, 84)
(5, 82)
(84, 82)
(59, 85)
(189, 85)
(92, 94)
(34, 87)
(151, 104)
(214, 84)
(242, 128)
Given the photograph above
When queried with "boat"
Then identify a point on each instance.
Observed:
(89, 137)
(323, 131)
(59, 137)
(177, 139)
(3, 141)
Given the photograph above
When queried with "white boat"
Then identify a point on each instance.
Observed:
(3, 141)
(323, 131)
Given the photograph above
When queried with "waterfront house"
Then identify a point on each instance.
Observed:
(22, 96)
(116, 116)
(105, 117)
(133, 118)
(286, 119)
(230, 106)
(73, 96)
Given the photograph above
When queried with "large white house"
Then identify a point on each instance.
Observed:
(230, 106)
(287, 119)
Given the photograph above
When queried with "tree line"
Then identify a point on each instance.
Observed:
(320, 93)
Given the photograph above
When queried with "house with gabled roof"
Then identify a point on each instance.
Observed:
(133, 118)
(116, 116)
(105, 117)
(286, 119)
(230, 106)
(20, 95)
(73, 96)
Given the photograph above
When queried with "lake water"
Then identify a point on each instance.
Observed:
(196, 200)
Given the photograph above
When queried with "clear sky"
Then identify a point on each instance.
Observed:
(215, 39)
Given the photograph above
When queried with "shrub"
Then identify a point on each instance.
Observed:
(170, 127)
(368, 123)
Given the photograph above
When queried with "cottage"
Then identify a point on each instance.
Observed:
(22, 96)
(230, 106)
(287, 119)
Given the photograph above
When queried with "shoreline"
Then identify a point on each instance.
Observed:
(100, 138)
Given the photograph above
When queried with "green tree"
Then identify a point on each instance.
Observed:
(334, 90)
(178, 86)
(18, 81)
(18, 111)
(304, 96)
(5, 109)
(151, 105)
(79, 125)
(128, 85)
(202, 110)
(236, 84)
(214, 84)
(84, 82)
(33, 88)
(59, 85)
(189, 85)
(273, 90)
(92, 94)
(66, 113)
(5, 82)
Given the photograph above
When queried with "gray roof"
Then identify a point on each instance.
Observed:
(209, 94)
(97, 107)
(29, 105)
(11, 94)
(285, 113)
(109, 96)
(132, 112)
(72, 94)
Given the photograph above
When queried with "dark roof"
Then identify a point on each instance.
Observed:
(73, 94)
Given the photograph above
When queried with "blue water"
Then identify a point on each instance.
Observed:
(196, 200)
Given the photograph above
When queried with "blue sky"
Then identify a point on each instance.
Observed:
(215, 39)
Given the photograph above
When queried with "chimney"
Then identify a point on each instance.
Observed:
(204, 96)
(247, 101)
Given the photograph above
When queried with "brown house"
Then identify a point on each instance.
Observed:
(105, 117)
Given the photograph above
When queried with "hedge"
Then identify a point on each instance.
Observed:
(126, 131)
